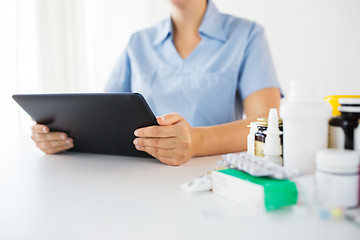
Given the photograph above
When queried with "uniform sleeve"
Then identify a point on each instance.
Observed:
(120, 78)
(257, 70)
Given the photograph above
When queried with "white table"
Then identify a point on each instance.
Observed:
(87, 196)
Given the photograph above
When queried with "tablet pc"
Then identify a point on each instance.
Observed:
(102, 123)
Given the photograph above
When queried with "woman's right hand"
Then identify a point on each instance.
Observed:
(50, 142)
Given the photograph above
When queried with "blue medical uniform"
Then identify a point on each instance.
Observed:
(207, 88)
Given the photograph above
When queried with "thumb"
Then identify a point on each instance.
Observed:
(169, 119)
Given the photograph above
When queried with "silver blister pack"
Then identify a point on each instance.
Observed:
(257, 166)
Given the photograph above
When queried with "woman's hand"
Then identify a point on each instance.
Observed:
(172, 142)
(50, 142)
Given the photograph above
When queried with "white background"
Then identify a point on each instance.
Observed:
(72, 45)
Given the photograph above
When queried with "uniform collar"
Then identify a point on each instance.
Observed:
(210, 26)
(163, 31)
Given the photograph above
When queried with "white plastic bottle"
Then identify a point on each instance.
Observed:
(272, 146)
(251, 138)
(305, 126)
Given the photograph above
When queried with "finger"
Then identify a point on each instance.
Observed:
(156, 131)
(52, 136)
(155, 151)
(54, 144)
(164, 159)
(164, 155)
(39, 128)
(57, 149)
(165, 143)
(169, 119)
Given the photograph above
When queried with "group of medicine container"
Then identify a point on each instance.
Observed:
(317, 142)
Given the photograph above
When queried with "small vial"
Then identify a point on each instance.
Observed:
(251, 138)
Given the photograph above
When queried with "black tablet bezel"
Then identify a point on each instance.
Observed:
(102, 123)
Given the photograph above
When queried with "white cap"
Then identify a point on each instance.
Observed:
(338, 160)
(349, 101)
(303, 89)
(304, 102)
(253, 127)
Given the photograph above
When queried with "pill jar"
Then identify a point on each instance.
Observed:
(337, 178)
(260, 136)
(342, 128)
(251, 138)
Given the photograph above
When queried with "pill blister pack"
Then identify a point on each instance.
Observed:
(257, 166)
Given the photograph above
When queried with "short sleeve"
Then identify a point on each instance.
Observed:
(257, 70)
(120, 78)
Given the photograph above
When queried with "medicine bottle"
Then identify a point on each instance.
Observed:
(357, 137)
(260, 136)
(273, 147)
(306, 125)
(337, 178)
(342, 128)
(251, 138)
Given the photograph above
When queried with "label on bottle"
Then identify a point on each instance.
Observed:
(337, 190)
(357, 138)
(259, 148)
(336, 137)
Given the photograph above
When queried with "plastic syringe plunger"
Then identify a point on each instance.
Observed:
(272, 147)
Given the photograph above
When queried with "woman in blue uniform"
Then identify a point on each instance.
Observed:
(200, 71)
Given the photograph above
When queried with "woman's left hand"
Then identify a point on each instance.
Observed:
(172, 142)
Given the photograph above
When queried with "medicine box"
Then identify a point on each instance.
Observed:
(254, 192)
